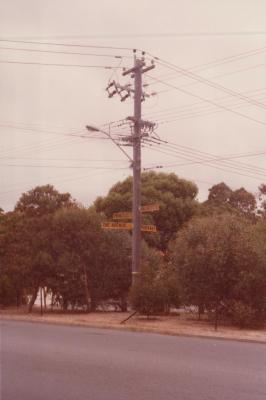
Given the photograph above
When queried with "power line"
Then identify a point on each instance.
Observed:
(202, 162)
(198, 108)
(221, 61)
(190, 151)
(217, 76)
(197, 112)
(66, 44)
(59, 166)
(207, 82)
(57, 65)
(63, 52)
(152, 34)
(175, 109)
(209, 101)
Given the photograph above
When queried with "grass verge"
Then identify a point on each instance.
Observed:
(183, 325)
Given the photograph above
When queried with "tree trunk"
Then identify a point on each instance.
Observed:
(33, 298)
(123, 303)
(41, 295)
(216, 318)
(86, 290)
(200, 311)
(44, 297)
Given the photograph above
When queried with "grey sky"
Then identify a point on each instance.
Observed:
(44, 100)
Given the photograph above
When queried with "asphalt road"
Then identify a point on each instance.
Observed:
(54, 362)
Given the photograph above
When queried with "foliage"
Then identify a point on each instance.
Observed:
(217, 263)
(175, 196)
(43, 200)
(223, 198)
(155, 288)
(85, 253)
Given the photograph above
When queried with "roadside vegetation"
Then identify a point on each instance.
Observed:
(210, 256)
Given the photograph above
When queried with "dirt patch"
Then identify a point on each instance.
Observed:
(183, 325)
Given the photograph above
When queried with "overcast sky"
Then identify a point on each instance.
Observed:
(211, 97)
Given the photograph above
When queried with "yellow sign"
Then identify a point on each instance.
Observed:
(148, 228)
(127, 226)
(122, 215)
(117, 225)
(149, 208)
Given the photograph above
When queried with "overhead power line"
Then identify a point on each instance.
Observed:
(59, 166)
(209, 101)
(62, 52)
(123, 35)
(209, 83)
(209, 163)
(66, 44)
(218, 62)
(58, 65)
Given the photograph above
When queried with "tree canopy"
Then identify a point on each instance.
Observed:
(176, 198)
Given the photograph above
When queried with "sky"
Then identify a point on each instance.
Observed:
(207, 92)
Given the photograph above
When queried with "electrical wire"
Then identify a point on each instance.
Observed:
(207, 82)
(168, 110)
(219, 62)
(66, 44)
(190, 151)
(210, 101)
(58, 65)
(208, 163)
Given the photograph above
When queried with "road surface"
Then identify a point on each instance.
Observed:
(55, 362)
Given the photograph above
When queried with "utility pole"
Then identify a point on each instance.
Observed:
(140, 129)
(137, 72)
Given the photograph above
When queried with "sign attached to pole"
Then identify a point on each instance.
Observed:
(149, 208)
(127, 226)
(117, 225)
(122, 215)
(148, 228)
(143, 209)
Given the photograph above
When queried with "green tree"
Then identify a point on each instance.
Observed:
(223, 199)
(175, 196)
(92, 264)
(14, 259)
(156, 287)
(215, 259)
(220, 194)
(37, 208)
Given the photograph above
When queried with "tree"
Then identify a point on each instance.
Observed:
(156, 287)
(220, 194)
(262, 200)
(216, 266)
(14, 258)
(37, 207)
(90, 268)
(223, 199)
(243, 200)
(175, 196)
(43, 200)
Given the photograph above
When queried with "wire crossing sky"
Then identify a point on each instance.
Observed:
(206, 95)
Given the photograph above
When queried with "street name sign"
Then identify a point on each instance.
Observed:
(148, 228)
(127, 226)
(149, 208)
(122, 215)
(117, 225)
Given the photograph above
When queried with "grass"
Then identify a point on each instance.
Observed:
(184, 324)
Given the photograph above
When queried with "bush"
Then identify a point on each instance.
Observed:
(147, 296)
(245, 316)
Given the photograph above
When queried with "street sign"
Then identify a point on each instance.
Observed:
(117, 225)
(127, 226)
(149, 208)
(122, 215)
(148, 228)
